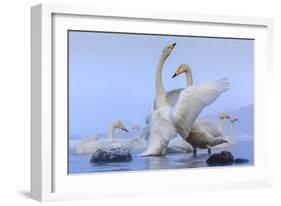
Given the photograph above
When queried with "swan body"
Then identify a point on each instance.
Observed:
(80, 148)
(166, 120)
(161, 130)
(92, 144)
(205, 135)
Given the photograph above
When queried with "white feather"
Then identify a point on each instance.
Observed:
(160, 132)
(192, 101)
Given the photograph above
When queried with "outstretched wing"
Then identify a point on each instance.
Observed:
(192, 101)
(173, 95)
(209, 126)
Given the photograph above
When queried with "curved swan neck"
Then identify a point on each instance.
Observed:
(161, 99)
(189, 78)
(221, 125)
(111, 132)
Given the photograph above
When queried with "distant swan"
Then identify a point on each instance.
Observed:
(233, 119)
(222, 117)
(204, 133)
(230, 138)
(136, 127)
(90, 145)
(166, 120)
(80, 147)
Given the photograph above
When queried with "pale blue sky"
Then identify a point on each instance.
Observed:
(111, 76)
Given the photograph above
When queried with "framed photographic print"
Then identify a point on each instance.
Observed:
(134, 102)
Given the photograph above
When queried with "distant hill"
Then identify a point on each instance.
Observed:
(245, 125)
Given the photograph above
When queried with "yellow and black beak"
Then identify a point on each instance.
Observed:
(124, 129)
(178, 71)
(171, 46)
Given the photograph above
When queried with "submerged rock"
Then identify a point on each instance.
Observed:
(222, 158)
(113, 155)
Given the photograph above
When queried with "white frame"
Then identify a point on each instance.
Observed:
(43, 156)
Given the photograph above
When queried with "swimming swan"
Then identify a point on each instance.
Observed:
(166, 120)
(91, 145)
(204, 133)
(80, 147)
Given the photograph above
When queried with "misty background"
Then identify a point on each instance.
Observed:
(112, 77)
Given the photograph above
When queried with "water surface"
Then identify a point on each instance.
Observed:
(80, 163)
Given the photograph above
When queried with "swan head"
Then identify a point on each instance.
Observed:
(168, 49)
(136, 127)
(183, 68)
(120, 125)
(224, 115)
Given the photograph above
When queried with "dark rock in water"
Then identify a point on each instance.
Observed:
(113, 155)
(222, 158)
(241, 161)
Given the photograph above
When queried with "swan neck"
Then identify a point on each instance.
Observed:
(221, 125)
(111, 132)
(231, 132)
(161, 99)
(189, 78)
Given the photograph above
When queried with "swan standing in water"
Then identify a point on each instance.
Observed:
(166, 120)
(91, 145)
(160, 129)
(204, 133)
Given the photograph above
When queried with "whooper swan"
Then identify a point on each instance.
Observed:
(93, 144)
(204, 133)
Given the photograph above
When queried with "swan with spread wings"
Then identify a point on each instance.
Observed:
(204, 133)
(166, 121)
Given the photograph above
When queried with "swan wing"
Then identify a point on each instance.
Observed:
(173, 95)
(192, 101)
